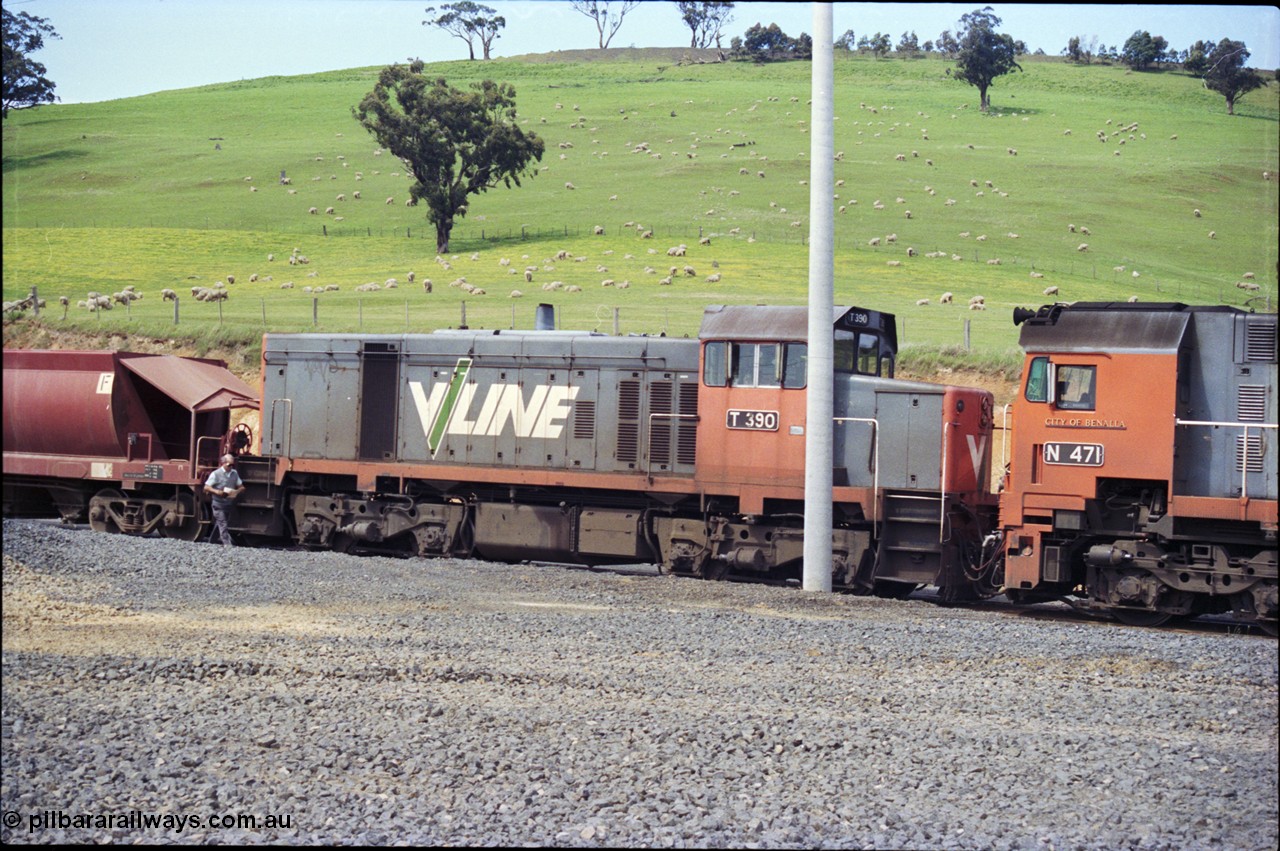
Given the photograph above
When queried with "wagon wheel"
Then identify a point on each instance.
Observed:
(191, 526)
(99, 518)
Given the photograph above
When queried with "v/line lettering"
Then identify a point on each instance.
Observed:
(449, 409)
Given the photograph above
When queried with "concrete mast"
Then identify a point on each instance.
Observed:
(821, 362)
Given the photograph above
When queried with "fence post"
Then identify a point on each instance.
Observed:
(463, 325)
(175, 310)
(360, 313)
(615, 322)
(967, 324)
(35, 302)
(264, 312)
(219, 313)
(315, 311)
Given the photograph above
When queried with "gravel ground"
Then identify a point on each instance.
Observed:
(375, 700)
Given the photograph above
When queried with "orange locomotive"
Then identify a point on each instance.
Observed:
(1143, 474)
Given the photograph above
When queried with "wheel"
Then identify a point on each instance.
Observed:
(1269, 627)
(238, 440)
(1140, 617)
(99, 515)
(190, 527)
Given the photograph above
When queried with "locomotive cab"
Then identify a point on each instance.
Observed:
(1139, 474)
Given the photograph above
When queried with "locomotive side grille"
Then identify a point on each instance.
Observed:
(1260, 341)
(1249, 454)
(628, 421)
(687, 429)
(660, 427)
(584, 420)
(629, 400)
(1251, 403)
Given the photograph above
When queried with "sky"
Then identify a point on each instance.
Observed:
(122, 48)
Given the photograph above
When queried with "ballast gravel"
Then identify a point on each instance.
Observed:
(325, 698)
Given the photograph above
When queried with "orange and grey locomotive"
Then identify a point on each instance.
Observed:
(1143, 475)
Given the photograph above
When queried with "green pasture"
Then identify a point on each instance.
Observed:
(181, 189)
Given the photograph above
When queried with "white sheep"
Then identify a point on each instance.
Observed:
(920, 302)
(1037, 274)
(713, 278)
(168, 295)
(1050, 290)
(1084, 246)
(1196, 213)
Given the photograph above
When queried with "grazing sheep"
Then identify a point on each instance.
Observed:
(689, 270)
(516, 294)
(921, 302)
(706, 240)
(891, 238)
(978, 306)
(391, 283)
(994, 261)
(314, 210)
(328, 211)
(893, 262)
(911, 252)
(1213, 234)
(977, 300)
(528, 276)
(945, 298)
(1084, 246)
(1050, 290)
(676, 251)
(1247, 275)
(907, 214)
(1247, 285)
(982, 237)
(1085, 231)
(569, 185)
(168, 295)
(1037, 274)
(287, 285)
(713, 278)
(391, 200)
(1133, 299)
(665, 282)
(573, 288)
(1196, 213)
(607, 282)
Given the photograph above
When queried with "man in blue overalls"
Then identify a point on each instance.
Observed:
(224, 486)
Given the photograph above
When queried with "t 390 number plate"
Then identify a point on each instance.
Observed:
(751, 420)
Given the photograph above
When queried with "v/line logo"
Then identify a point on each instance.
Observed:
(447, 409)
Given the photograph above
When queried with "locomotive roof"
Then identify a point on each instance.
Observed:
(789, 323)
(1111, 326)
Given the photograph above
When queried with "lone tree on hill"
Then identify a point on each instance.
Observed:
(984, 54)
(606, 25)
(706, 20)
(468, 21)
(1226, 73)
(25, 84)
(455, 143)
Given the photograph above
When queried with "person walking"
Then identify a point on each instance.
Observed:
(224, 485)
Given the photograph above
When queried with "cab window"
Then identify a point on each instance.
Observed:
(1076, 388)
(754, 364)
(859, 353)
(1038, 380)
(795, 364)
(715, 366)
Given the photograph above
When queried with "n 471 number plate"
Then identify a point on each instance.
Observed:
(1077, 454)
(751, 420)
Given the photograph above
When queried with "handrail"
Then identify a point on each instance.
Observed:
(1004, 439)
(1244, 458)
(875, 459)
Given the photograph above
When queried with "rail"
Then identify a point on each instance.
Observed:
(875, 459)
(1244, 451)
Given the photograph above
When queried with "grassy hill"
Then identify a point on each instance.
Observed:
(181, 189)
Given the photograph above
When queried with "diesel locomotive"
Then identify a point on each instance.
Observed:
(1138, 459)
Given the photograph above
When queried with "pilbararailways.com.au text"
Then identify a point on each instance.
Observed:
(138, 820)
